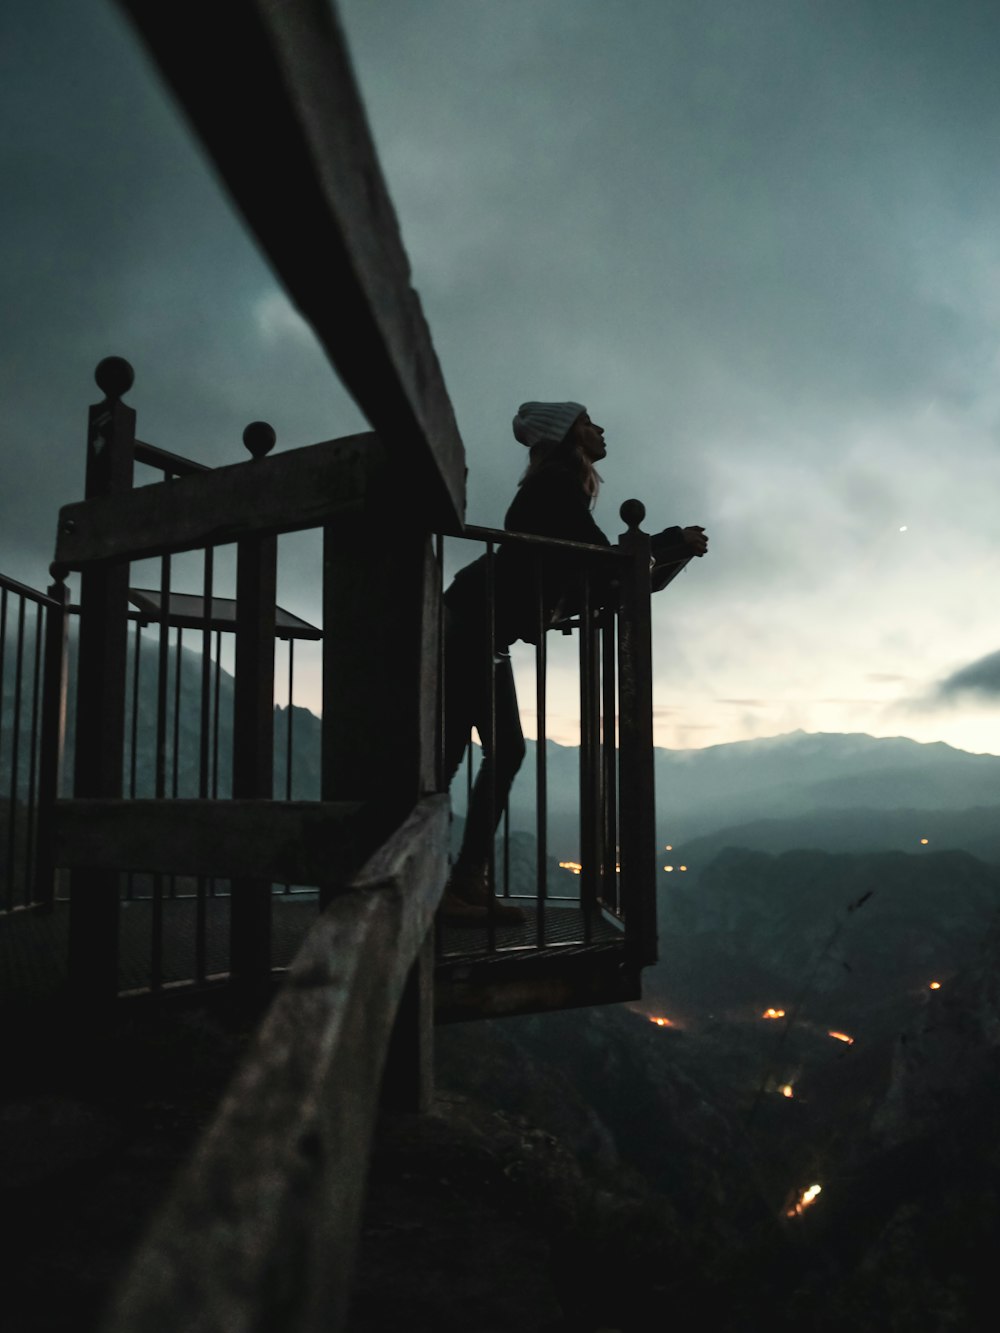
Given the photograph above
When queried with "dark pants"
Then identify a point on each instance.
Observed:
(467, 675)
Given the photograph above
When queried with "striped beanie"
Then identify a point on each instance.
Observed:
(538, 422)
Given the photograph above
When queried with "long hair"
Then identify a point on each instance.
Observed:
(565, 454)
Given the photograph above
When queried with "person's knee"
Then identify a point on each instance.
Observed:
(511, 756)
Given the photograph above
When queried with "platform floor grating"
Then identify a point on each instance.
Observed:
(33, 945)
(564, 926)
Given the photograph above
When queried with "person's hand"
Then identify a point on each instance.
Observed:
(696, 539)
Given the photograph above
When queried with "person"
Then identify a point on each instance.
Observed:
(554, 499)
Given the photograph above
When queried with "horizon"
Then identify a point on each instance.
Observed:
(761, 248)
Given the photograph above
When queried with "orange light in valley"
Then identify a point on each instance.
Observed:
(668, 868)
(786, 1090)
(773, 1013)
(661, 1022)
(935, 985)
(807, 1197)
(669, 847)
(924, 842)
(841, 1036)
(574, 867)
(682, 867)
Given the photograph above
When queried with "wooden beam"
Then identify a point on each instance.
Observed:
(270, 92)
(301, 488)
(501, 987)
(295, 842)
(260, 1228)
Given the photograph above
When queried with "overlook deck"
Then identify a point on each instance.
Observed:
(33, 945)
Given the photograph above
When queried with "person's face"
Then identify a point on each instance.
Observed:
(588, 437)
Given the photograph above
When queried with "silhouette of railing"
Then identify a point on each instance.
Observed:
(261, 1228)
(615, 875)
(32, 714)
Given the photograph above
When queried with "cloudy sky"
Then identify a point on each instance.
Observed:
(758, 240)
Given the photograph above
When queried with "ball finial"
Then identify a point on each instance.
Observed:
(632, 512)
(114, 376)
(259, 438)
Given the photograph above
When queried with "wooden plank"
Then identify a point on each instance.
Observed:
(534, 983)
(291, 142)
(259, 1231)
(300, 488)
(296, 842)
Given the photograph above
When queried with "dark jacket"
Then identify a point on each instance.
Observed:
(551, 503)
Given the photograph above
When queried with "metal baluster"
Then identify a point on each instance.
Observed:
(490, 742)
(610, 888)
(3, 654)
(205, 721)
(439, 775)
(541, 801)
(588, 765)
(52, 739)
(213, 883)
(29, 854)
(288, 739)
(15, 754)
(162, 675)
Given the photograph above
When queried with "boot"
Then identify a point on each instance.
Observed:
(472, 888)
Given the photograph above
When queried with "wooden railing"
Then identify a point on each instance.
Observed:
(260, 1229)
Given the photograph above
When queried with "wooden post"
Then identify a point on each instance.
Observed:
(408, 1078)
(381, 621)
(253, 729)
(635, 733)
(53, 736)
(101, 683)
(380, 659)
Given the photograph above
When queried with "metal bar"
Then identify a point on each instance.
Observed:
(205, 721)
(176, 739)
(134, 738)
(610, 888)
(289, 746)
(162, 674)
(253, 745)
(134, 727)
(490, 746)
(506, 849)
(589, 851)
(533, 539)
(541, 802)
(3, 653)
(164, 461)
(15, 755)
(52, 739)
(22, 590)
(213, 886)
(29, 854)
(442, 684)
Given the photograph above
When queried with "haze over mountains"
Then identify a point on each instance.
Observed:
(828, 791)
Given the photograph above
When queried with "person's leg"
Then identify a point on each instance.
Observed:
(503, 752)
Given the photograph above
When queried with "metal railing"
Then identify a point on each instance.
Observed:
(32, 712)
(612, 898)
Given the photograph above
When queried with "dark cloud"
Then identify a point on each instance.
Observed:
(758, 241)
(980, 678)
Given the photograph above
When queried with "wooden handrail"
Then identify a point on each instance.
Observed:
(276, 1184)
